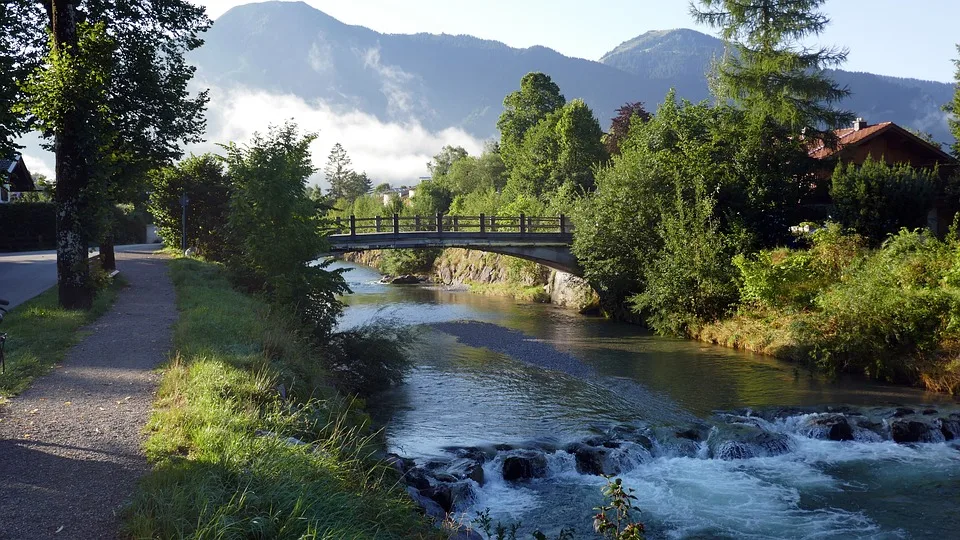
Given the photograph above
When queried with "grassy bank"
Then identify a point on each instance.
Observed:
(233, 458)
(891, 313)
(39, 333)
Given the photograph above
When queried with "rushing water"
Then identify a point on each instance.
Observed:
(491, 371)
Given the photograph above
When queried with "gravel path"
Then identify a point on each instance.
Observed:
(70, 446)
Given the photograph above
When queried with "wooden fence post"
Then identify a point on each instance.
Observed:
(396, 224)
(416, 222)
(353, 225)
(563, 223)
(523, 226)
(483, 225)
(439, 223)
(378, 222)
(339, 226)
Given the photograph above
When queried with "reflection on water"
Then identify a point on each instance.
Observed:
(471, 396)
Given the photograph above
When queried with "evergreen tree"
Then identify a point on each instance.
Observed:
(768, 71)
(338, 172)
(358, 185)
(954, 108)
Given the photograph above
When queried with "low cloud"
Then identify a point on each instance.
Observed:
(395, 152)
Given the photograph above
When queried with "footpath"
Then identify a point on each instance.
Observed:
(71, 445)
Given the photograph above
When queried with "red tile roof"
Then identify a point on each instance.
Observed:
(846, 137)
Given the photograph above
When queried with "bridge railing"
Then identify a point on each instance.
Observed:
(440, 223)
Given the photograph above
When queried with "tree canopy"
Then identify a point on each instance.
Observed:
(525, 108)
(767, 69)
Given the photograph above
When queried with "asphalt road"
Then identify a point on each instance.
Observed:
(27, 274)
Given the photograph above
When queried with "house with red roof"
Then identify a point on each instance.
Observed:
(885, 141)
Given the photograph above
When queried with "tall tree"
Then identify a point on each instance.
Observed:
(768, 71)
(112, 95)
(440, 164)
(15, 66)
(338, 172)
(954, 108)
(620, 125)
(580, 144)
(538, 97)
(358, 185)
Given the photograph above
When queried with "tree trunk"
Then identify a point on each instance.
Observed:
(73, 270)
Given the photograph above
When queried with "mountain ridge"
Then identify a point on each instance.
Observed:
(446, 80)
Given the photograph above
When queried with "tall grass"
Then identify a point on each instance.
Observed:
(249, 441)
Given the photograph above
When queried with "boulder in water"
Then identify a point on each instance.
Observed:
(405, 279)
(744, 442)
(595, 460)
(524, 467)
(448, 495)
(834, 427)
(429, 507)
(950, 427)
(909, 431)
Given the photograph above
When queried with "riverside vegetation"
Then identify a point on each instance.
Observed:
(259, 428)
(683, 216)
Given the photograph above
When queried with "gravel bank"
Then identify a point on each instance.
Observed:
(515, 344)
(70, 446)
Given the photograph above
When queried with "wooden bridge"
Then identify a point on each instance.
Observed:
(545, 240)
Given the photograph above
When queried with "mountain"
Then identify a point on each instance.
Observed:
(443, 81)
(683, 57)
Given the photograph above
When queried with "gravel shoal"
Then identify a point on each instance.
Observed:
(71, 444)
(516, 345)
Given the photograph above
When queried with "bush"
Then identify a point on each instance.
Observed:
(398, 262)
(203, 181)
(368, 359)
(876, 199)
(886, 311)
(690, 280)
(275, 227)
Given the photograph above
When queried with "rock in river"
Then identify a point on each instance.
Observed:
(524, 466)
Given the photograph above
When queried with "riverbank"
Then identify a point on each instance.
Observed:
(249, 439)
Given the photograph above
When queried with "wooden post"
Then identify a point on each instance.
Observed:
(416, 223)
(396, 224)
(353, 225)
(483, 225)
(523, 225)
(378, 222)
(493, 223)
(456, 224)
(563, 223)
(339, 226)
(439, 223)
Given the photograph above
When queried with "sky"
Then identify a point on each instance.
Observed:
(889, 37)
(914, 38)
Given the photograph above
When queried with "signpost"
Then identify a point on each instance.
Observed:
(184, 201)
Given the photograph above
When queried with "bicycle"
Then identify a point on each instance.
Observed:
(3, 336)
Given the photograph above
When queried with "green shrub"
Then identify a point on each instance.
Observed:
(778, 278)
(690, 280)
(203, 180)
(368, 359)
(876, 199)
(275, 227)
(886, 311)
(397, 262)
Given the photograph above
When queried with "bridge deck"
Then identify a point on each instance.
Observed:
(360, 242)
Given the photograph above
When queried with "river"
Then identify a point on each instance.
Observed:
(716, 443)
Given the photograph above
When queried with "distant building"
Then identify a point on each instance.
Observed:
(14, 178)
(403, 193)
(885, 141)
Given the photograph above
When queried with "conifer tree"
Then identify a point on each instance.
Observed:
(338, 172)
(954, 108)
(768, 71)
